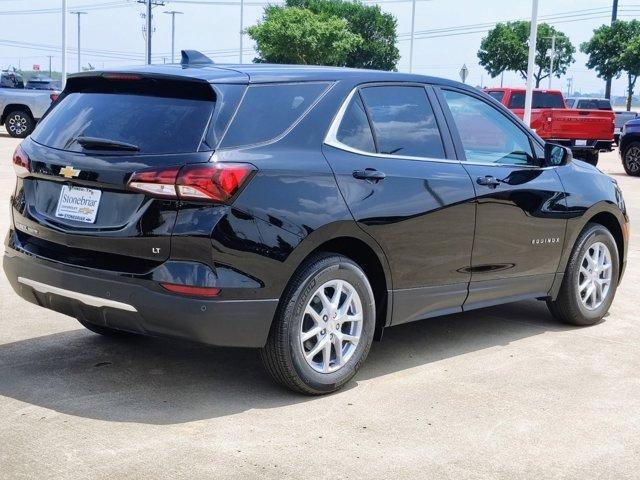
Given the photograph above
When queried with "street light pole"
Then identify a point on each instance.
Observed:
(552, 58)
(413, 26)
(614, 17)
(64, 44)
(241, 27)
(173, 14)
(79, 58)
(533, 38)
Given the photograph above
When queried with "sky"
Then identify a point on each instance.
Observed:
(448, 33)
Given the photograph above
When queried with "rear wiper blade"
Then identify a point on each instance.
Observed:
(95, 143)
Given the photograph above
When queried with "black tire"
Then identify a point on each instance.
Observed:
(106, 331)
(568, 306)
(631, 159)
(592, 158)
(19, 123)
(283, 354)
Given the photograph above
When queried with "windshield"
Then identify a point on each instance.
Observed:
(155, 125)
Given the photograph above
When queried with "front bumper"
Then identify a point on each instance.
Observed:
(129, 304)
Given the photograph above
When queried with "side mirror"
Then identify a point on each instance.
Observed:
(556, 155)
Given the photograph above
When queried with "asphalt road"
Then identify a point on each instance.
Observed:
(504, 392)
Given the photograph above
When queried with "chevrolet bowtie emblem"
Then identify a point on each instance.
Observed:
(69, 172)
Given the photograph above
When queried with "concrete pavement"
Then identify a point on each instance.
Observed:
(504, 392)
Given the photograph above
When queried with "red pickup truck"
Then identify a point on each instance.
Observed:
(586, 132)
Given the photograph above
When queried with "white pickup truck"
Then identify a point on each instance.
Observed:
(20, 109)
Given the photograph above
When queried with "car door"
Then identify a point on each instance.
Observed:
(520, 216)
(398, 174)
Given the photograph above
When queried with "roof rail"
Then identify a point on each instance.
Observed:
(194, 57)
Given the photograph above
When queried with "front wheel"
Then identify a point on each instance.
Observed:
(590, 280)
(631, 159)
(19, 123)
(324, 327)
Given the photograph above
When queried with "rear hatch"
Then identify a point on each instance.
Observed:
(74, 204)
(578, 124)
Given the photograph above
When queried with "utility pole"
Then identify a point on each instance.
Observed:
(413, 26)
(533, 38)
(552, 55)
(614, 17)
(79, 55)
(149, 4)
(241, 27)
(49, 64)
(173, 14)
(64, 43)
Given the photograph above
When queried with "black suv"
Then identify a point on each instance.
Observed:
(300, 210)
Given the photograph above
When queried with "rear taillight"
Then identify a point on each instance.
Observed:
(213, 182)
(21, 163)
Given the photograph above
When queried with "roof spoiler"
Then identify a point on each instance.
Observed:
(194, 57)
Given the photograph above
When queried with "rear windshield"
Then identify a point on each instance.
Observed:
(144, 117)
(267, 111)
(540, 100)
(594, 104)
(497, 95)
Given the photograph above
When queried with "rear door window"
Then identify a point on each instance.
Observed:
(156, 125)
(403, 121)
(354, 130)
(268, 111)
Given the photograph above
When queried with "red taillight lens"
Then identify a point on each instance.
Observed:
(190, 290)
(213, 182)
(121, 77)
(156, 182)
(21, 163)
(216, 182)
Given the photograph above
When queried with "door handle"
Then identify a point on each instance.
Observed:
(369, 174)
(488, 181)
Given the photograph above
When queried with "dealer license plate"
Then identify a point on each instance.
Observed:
(78, 203)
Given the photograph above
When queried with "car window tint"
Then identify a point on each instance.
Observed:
(497, 95)
(539, 100)
(354, 130)
(403, 121)
(487, 135)
(267, 111)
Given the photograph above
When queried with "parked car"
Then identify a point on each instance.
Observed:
(43, 83)
(300, 210)
(586, 132)
(622, 117)
(630, 147)
(584, 103)
(20, 109)
(9, 79)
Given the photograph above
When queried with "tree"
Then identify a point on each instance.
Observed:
(300, 36)
(615, 49)
(377, 29)
(505, 48)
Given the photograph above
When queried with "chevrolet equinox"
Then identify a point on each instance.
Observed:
(300, 210)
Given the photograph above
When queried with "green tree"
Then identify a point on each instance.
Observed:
(377, 29)
(505, 48)
(615, 49)
(300, 36)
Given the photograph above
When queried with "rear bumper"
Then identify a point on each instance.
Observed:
(589, 146)
(130, 305)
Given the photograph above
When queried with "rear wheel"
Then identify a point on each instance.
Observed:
(590, 280)
(19, 123)
(631, 159)
(324, 327)
(592, 158)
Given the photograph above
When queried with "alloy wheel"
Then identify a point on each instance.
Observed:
(594, 279)
(632, 159)
(331, 326)
(17, 124)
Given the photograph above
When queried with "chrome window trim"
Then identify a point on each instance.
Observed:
(332, 140)
(90, 300)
